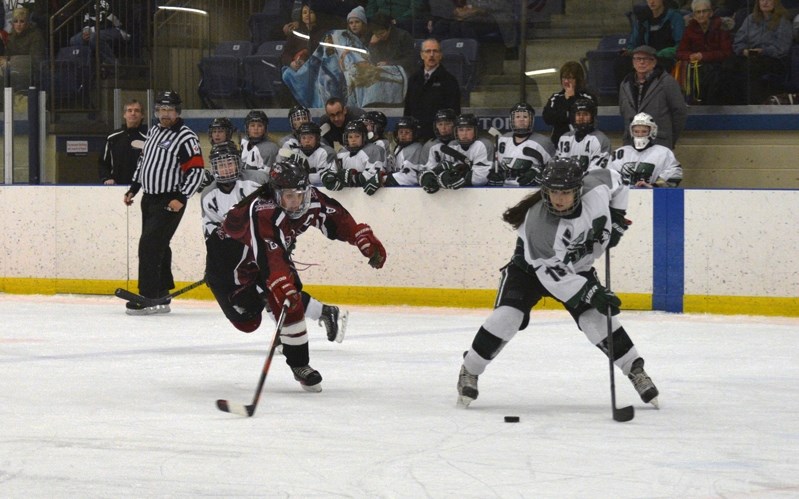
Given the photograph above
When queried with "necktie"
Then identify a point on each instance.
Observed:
(426, 76)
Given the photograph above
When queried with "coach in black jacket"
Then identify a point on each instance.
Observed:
(430, 89)
(123, 147)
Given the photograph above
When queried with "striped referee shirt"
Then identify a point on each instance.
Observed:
(171, 161)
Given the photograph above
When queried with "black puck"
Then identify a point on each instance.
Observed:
(511, 419)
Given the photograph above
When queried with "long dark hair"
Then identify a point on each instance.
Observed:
(515, 214)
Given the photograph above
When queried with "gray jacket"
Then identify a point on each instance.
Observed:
(662, 99)
(774, 42)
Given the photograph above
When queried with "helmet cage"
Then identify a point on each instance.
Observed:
(225, 163)
(522, 110)
(643, 119)
(290, 183)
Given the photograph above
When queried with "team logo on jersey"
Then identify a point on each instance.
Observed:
(272, 245)
(330, 210)
(582, 244)
(166, 144)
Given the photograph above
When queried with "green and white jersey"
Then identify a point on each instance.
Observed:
(556, 249)
(592, 150)
(653, 163)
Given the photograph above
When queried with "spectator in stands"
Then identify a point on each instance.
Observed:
(645, 163)
(430, 89)
(557, 111)
(303, 39)
(761, 47)
(25, 48)
(337, 115)
(410, 15)
(123, 147)
(390, 45)
(706, 43)
(657, 26)
(358, 26)
(100, 22)
(650, 89)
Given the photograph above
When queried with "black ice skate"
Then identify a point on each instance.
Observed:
(643, 383)
(335, 322)
(133, 308)
(309, 378)
(467, 388)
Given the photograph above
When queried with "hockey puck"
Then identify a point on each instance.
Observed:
(511, 419)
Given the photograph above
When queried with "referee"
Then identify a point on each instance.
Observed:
(169, 172)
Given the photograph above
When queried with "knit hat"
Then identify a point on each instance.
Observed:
(358, 13)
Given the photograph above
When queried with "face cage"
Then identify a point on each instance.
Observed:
(298, 118)
(519, 130)
(226, 178)
(575, 191)
(165, 107)
(640, 143)
(304, 205)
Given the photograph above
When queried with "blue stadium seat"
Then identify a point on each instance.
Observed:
(602, 67)
(262, 74)
(460, 59)
(72, 77)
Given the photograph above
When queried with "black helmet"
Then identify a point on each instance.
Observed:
(225, 162)
(297, 116)
(289, 177)
(467, 120)
(562, 174)
(444, 115)
(408, 123)
(378, 122)
(355, 126)
(168, 98)
(255, 116)
(223, 123)
(587, 105)
(310, 128)
(524, 109)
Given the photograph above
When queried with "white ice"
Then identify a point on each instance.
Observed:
(99, 404)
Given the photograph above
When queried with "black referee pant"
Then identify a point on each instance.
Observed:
(155, 255)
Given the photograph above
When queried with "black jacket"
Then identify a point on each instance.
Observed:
(423, 100)
(120, 157)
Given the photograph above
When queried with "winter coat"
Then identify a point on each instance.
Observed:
(715, 45)
(662, 99)
(775, 43)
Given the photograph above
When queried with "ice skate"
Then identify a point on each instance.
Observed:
(133, 308)
(309, 378)
(335, 322)
(643, 383)
(467, 388)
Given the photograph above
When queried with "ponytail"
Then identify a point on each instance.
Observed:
(515, 214)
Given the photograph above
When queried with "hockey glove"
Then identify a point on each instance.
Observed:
(496, 178)
(370, 246)
(618, 225)
(531, 176)
(429, 182)
(454, 175)
(389, 180)
(281, 285)
(353, 178)
(333, 181)
(371, 185)
(601, 299)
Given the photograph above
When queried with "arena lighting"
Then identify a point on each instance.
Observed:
(184, 9)
(344, 47)
(538, 72)
(300, 35)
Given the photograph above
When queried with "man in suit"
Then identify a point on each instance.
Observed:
(430, 89)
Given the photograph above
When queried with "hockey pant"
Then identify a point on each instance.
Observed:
(517, 295)
(244, 305)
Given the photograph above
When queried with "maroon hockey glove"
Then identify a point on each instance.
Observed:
(370, 246)
(281, 285)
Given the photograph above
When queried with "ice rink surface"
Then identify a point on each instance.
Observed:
(99, 404)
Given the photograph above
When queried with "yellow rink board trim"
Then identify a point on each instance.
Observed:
(427, 297)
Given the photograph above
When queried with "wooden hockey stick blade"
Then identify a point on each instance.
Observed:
(623, 414)
(242, 410)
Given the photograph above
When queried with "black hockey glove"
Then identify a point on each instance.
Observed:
(371, 185)
(333, 180)
(496, 178)
(618, 225)
(429, 182)
(601, 298)
(454, 175)
(531, 176)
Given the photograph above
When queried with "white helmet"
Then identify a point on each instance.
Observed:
(643, 119)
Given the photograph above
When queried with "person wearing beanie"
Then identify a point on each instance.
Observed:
(357, 25)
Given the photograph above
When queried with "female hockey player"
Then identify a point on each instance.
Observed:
(562, 230)
(268, 222)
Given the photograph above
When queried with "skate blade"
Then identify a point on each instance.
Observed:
(343, 317)
(655, 403)
(312, 389)
(463, 402)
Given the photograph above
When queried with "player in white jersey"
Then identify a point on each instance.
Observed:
(466, 159)
(232, 184)
(521, 153)
(313, 154)
(431, 155)
(298, 116)
(645, 163)
(562, 229)
(257, 151)
(589, 146)
(376, 123)
(407, 153)
(359, 163)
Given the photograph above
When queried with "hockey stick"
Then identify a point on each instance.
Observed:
(249, 410)
(149, 302)
(496, 134)
(449, 151)
(625, 413)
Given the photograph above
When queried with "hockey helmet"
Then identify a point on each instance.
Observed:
(297, 116)
(564, 176)
(583, 105)
(445, 117)
(376, 123)
(222, 124)
(406, 123)
(255, 116)
(168, 99)
(522, 116)
(642, 141)
(309, 129)
(464, 124)
(225, 162)
(352, 128)
(292, 187)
